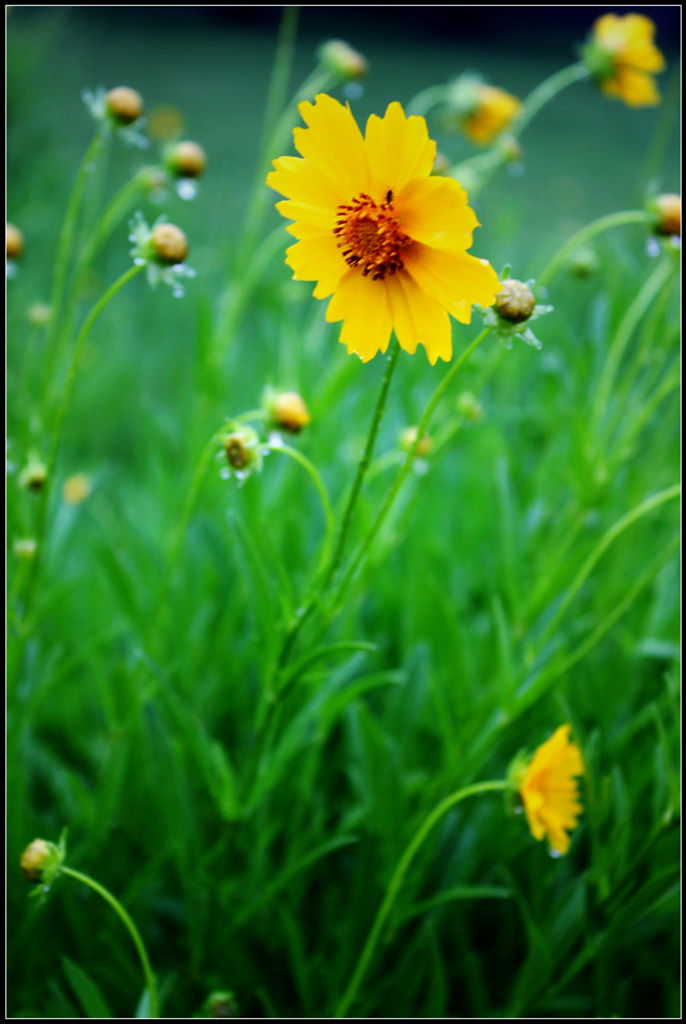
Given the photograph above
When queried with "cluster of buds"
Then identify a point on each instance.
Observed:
(243, 449)
(342, 60)
(513, 311)
(162, 249)
(120, 110)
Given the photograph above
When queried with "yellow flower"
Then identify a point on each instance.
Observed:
(550, 791)
(492, 114)
(76, 489)
(380, 234)
(623, 58)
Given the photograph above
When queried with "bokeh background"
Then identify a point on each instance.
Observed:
(585, 156)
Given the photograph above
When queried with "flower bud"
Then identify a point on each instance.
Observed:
(124, 105)
(25, 548)
(169, 244)
(286, 410)
(33, 476)
(41, 861)
(165, 122)
(14, 241)
(408, 438)
(153, 179)
(584, 262)
(221, 1004)
(186, 159)
(340, 58)
(515, 301)
(39, 314)
(667, 209)
(242, 449)
(76, 489)
(469, 406)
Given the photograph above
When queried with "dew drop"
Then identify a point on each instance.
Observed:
(653, 248)
(353, 90)
(555, 854)
(139, 261)
(178, 292)
(186, 188)
(225, 473)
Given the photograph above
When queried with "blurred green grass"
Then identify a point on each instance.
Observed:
(136, 754)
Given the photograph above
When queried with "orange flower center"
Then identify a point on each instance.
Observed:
(370, 237)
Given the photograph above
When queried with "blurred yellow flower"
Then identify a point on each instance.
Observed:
(76, 489)
(380, 234)
(623, 58)
(492, 114)
(549, 790)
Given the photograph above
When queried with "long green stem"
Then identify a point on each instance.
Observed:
(366, 545)
(339, 549)
(542, 95)
(547, 91)
(316, 479)
(67, 236)
(131, 928)
(596, 227)
(397, 879)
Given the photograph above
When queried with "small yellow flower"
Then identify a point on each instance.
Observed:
(623, 58)
(385, 240)
(550, 791)
(76, 489)
(492, 114)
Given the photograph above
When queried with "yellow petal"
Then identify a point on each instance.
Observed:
(434, 211)
(457, 280)
(636, 88)
(417, 319)
(332, 143)
(295, 178)
(317, 259)
(362, 304)
(398, 149)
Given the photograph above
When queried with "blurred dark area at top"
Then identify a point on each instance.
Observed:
(506, 24)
